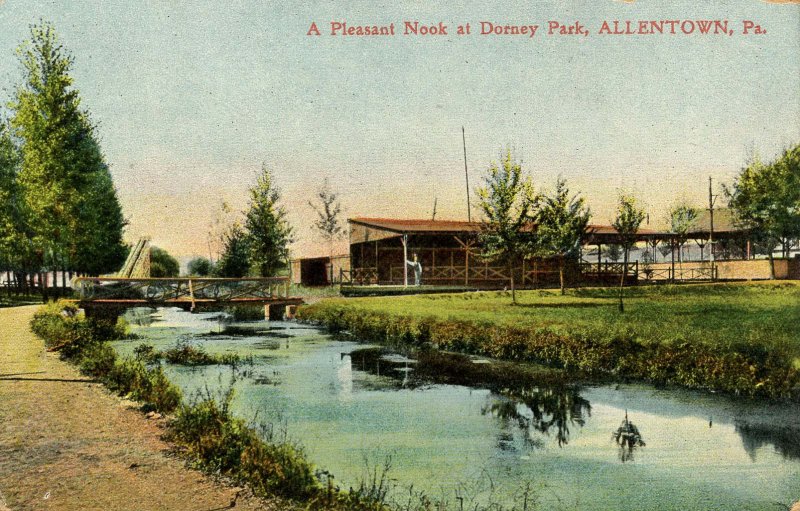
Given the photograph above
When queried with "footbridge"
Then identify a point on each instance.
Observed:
(100, 295)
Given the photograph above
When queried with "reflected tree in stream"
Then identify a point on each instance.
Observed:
(538, 411)
(628, 438)
(784, 438)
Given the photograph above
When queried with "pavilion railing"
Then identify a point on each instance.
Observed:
(704, 272)
(359, 276)
(459, 275)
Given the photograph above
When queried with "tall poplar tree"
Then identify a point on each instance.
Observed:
(561, 222)
(629, 218)
(73, 213)
(508, 201)
(12, 233)
(268, 231)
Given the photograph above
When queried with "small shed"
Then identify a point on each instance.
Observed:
(319, 271)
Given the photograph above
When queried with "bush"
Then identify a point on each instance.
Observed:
(64, 329)
(97, 359)
(151, 386)
(224, 444)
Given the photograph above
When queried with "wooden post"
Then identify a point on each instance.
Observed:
(599, 261)
(466, 267)
(266, 312)
(405, 260)
(191, 295)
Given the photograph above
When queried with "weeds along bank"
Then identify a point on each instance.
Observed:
(204, 430)
(582, 332)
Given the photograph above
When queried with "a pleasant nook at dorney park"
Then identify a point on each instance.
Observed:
(249, 265)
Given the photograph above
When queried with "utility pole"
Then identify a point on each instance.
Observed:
(466, 173)
(711, 199)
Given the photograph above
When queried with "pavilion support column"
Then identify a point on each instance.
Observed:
(599, 260)
(404, 239)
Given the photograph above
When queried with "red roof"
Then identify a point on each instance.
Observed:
(408, 225)
(607, 229)
(415, 225)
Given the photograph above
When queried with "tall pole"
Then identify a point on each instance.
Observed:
(711, 225)
(466, 173)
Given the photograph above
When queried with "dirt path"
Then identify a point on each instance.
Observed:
(68, 444)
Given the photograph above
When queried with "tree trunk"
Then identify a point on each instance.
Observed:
(771, 264)
(513, 291)
(672, 252)
(561, 273)
(622, 279)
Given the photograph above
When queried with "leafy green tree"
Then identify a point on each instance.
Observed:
(71, 206)
(681, 219)
(613, 252)
(11, 235)
(561, 222)
(268, 231)
(507, 201)
(200, 267)
(629, 218)
(235, 259)
(163, 265)
(98, 246)
(328, 223)
(765, 198)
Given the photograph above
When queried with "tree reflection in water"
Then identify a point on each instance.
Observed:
(538, 411)
(628, 438)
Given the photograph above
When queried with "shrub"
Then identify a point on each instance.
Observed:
(64, 329)
(97, 359)
(151, 386)
(224, 444)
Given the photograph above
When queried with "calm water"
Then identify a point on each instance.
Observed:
(352, 408)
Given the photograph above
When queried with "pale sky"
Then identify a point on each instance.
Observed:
(191, 97)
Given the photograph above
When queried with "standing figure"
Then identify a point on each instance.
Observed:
(417, 267)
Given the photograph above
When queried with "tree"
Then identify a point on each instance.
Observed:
(613, 252)
(268, 231)
(561, 222)
(765, 198)
(200, 267)
(629, 217)
(12, 228)
(163, 265)
(71, 205)
(681, 219)
(507, 201)
(235, 259)
(328, 224)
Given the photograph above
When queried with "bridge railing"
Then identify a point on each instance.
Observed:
(186, 289)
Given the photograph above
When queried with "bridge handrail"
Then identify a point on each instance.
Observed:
(181, 279)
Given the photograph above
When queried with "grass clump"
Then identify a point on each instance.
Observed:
(207, 431)
(186, 354)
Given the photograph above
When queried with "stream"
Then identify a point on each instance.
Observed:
(356, 408)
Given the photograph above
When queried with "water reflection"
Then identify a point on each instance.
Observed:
(628, 438)
(539, 411)
(784, 438)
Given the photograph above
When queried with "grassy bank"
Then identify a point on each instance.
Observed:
(739, 338)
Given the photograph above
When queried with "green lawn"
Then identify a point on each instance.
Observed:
(766, 313)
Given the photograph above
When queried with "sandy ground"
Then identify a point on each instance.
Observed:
(66, 443)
